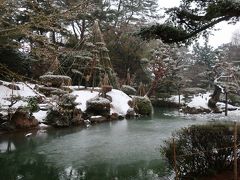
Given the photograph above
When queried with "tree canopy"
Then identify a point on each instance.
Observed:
(191, 18)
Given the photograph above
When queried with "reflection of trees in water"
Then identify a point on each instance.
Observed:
(26, 165)
(140, 170)
(24, 162)
(29, 165)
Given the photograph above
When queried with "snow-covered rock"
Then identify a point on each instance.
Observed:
(119, 102)
(200, 101)
(98, 106)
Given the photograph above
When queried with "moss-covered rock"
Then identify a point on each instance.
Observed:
(65, 114)
(98, 106)
(142, 105)
(60, 118)
(129, 90)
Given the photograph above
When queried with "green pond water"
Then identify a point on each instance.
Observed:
(127, 149)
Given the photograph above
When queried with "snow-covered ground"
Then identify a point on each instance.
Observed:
(83, 96)
(175, 99)
(119, 102)
(200, 101)
(26, 90)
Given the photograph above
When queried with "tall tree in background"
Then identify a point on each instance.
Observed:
(126, 52)
(27, 25)
(165, 64)
(204, 57)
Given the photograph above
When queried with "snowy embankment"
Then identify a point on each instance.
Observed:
(200, 102)
(119, 102)
(20, 97)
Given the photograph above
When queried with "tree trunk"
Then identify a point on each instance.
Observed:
(215, 98)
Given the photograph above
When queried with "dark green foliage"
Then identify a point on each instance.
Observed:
(191, 18)
(202, 149)
(142, 105)
(126, 52)
(33, 105)
(15, 61)
(167, 33)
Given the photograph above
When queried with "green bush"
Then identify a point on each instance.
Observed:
(200, 149)
(33, 105)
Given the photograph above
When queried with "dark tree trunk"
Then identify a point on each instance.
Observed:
(215, 98)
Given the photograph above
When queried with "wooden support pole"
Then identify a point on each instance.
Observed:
(235, 152)
(179, 99)
(175, 159)
(226, 103)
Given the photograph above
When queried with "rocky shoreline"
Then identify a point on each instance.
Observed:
(28, 106)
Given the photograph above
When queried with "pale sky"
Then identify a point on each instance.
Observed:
(224, 35)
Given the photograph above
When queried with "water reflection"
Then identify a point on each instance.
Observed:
(115, 150)
(7, 146)
(28, 166)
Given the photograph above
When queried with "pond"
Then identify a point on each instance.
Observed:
(127, 149)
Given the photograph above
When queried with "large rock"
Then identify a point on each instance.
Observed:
(21, 119)
(66, 114)
(98, 106)
(60, 118)
(142, 105)
(129, 90)
(56, 80)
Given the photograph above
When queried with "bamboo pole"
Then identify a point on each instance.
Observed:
(226, 103)
(175, 159)
(235, 152)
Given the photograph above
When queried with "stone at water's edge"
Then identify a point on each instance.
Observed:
(61, 118)
(21, 119)
(142, 105)
(114, 116)
(130, 113)
(98, 106)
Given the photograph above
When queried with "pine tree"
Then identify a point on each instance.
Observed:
(90, 64)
